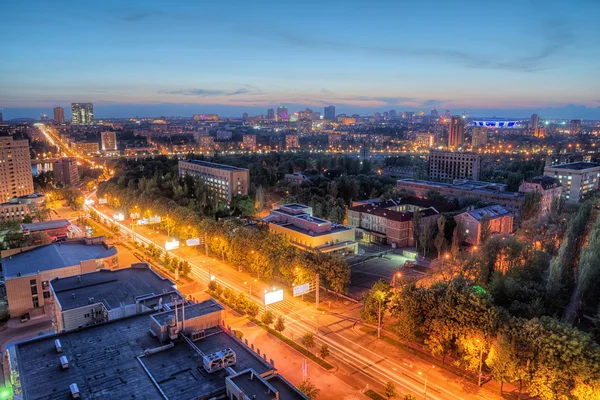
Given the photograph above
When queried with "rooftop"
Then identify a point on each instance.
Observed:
(113, 288)
(191, 311)
(335, 228)
(214, 165)
(576, 166)
(400, 216)
(493, 212)
(466, 187)
(547, 182)
(55, 255)
(42, 226)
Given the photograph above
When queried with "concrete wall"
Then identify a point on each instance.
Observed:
(83, 316)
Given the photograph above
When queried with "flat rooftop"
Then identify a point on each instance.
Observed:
(52, 256)
(43, 226)
(107, 361)
(576, 166)
(214, 165)
(191, 311)
(466, 187)
(113, 288)
(334, 229)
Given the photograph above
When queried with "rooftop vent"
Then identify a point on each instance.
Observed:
(58, 346)
(64, 362)
(90, 300)
(72, 295)
(74, 390)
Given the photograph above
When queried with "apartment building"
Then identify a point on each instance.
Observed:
(577, 179)
(86, 148)
(15, 168)
(549, 188)
(292, 142)
(249, 142)
(224, 181)
(65, 171)
(500, 221)
(450, 165)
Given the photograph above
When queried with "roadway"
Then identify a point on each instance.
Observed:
(363, 359)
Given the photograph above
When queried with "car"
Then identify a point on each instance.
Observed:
(409, 263)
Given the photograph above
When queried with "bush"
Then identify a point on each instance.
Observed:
(324, 351)
(268, 317)
(280, 324)
(308, 340)
(213, 286)
(374, 395)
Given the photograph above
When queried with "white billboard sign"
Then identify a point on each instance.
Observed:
(119, 217)
(301, 289)
(193, 242)
(171, 244)
(273, 297)
(155, 220)
(134, 216)
(102, 201)
(143, 221)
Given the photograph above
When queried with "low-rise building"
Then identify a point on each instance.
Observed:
(500, 221)
(549, 188)
(296, 177)
(577, 179)
(306, 232)
(105, 295)
(27, 274)
(14, 211)
(57, 229)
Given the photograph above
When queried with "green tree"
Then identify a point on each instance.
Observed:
(502, 362)
(268, 317)
(309, 389)
(409, 397)
(390, 390)
(375, 301)
(532, 205)
(416, 227)
(440, 239)
(324, 351)
(308, 340)
(280, 324)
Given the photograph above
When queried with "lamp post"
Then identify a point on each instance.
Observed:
(480, 361)
(249, 287)
(317, 319)
(426, 376)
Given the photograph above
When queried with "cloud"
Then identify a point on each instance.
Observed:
(214, 92)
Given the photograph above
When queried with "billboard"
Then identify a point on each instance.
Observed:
(273, 297)
(301, 289)
(102, 201)
(192, 242)
(89, 202)
(171, 244)
(155, 220)
(134, 216)
(143, 221)
(119, 217)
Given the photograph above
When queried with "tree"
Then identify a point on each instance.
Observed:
(259, 199)
(440, 239)
(416, 227)
(280, 324)
(502, 361)
(426, 235)
(212, 286)
(308, 340)
(268, 317)
(375, 301)
(532, 205)
(324, 351)
(485, 230)
(390, 390)
(309, 389)
(409, 397)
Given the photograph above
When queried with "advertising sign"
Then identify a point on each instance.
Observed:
(102, 201)
(273, 297)
(134, 216)
(301, 289)
(193, 242)
(155, 220)
(89, 202)
(171, 245)
(143, 221)
(119, 217)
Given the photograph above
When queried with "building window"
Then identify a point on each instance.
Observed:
(33, 289)
(33, 282)
(86, 315)
(46, 295)
(35, 301)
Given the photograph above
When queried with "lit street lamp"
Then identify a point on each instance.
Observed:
(480, 361)
(426, 376)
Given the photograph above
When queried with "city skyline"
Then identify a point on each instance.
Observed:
(156, 59)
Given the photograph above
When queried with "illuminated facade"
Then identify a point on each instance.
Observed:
(249, 142)
(224, 181)
(109, 141)
(479, 136)
(15, 169)
(82, 113)
(59, 115)
(456, 132)
(282, 113)
(65, 171)
(86, 148)
(206, 117)
(577, 179)
(500, 221)
(292, 142)
(450, 165)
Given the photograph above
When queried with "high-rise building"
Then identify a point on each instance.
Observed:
(365, 152)
(245, 116)
(109, 141)
(86, 148)
(392, 114)
(270, 113)
(224, 181)
(434, 113)
(377, 116)
(479, 136)
(577, 179)
(82, 113)
(65, 171)
(424, 139)
(575, 127)
(447, 114)
(385, 115)
(329, 113)
(456, 132)
(1, 118)
(292, 142)
(15, 169)
(410, 116)
(534, 122)
(450, 165)
(282, 113)
(249, 142)
(59, 115)
(44, 117)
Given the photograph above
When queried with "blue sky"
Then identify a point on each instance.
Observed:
(493, 57)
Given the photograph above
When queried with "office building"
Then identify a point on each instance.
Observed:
(410, 116)
(575, 127)
(282, 113)
(292, 142)
(65, 171)
(270, 113)
(456, 132)
(224, 181)
(534, 122)
(450, 165)
(491, 193)
(15, 168)
(223, 134)
(206, 117)
(500, 222)
(59, 115)
(329, 113)
(295, 221)
(377, 116)
(14, 211)
(109, 141)
(86, 148)
(249, 142)
(392, 114)
(577, 179)
(434, 113)
(27, 277)
(207, 142)
(82, 113)
(184, 353)
(479, 136)
(106, 295)
(549, 188)
(245, 116)
(383, 222)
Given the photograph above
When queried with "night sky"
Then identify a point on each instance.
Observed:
(489, 58)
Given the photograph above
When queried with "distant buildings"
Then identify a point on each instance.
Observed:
(334, 139)
(306, 232)
(456, 132)
(577, 179)
(364, 152)
(109, 141)
(207, 142)
(329, 113)
(534, 122)
(282, 113)
(15, 168)
(82, 113)
(479, 136)
(1, 118)
(346, 120)
(249, 142)
(424, 140)
(224, 181)
(296, 178)
(27, 277)
(575, 127)
(292, 142)
(549, 188)
(65, 171)
(86, 148)
(500, 221)
(270, 114)
(206, 117)
(450, 165)
(59, 115)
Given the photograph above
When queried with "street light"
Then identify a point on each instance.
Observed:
(426, 376)
(317, 319)
(480, 361)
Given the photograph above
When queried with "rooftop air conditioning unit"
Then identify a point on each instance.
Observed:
(74, 390)
(58, 346)
(64, 362)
